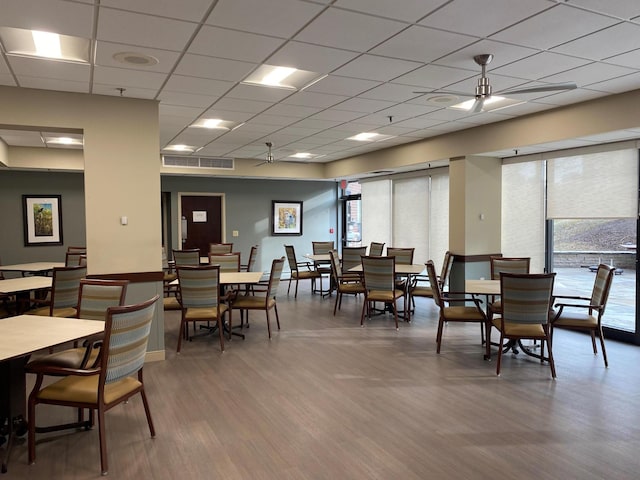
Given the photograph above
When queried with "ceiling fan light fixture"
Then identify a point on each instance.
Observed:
(180, 148)
(494, 102)
(214, 124)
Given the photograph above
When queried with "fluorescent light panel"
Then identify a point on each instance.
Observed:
(181, 148)
(48, 45)
(282, 77)
(370, 137)
(215, 124)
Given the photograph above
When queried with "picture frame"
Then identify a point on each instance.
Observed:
(42, 220)
(286, 217)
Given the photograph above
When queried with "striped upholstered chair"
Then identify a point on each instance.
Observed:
(95, 297)
(526, 306)
(505, 265)
(63, 300)
(585, 313)
(378, 276)
(112, 382)
(351, 284)
(200, 298)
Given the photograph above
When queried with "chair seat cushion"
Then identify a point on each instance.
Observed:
(305, 274)
(526, 330)
(384, 295)
(65, 312)
(171, 303)
(170, 277)
(70, 358)
(85, 389)
(422, 291)
(576, 320)
(351, 288)
(496, 307)
(206, 313)
(462, 314)
(252, 302)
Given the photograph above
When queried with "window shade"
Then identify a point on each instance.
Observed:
(411, 216)
(376, 212)
(438, 219)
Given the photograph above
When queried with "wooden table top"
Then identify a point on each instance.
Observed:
(24, 284)
(401, 269)
(235, 278)
(33, 267)
(482, 287)
(25, 334)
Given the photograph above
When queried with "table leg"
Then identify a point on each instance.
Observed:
(12, 403)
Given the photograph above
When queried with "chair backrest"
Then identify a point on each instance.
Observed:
(96, 296)
(126, 336)
(404, 256)
(320, 248)
(253, 255)
(447, 263)
(65, 285)
(220, 247)
(602, 286)
(187, 257)
(352, 257)
(75, 259)
(291, 257)
(379, 273)
(436, 290)
(336, 270)
(274, 277)
(375, 249)
(199, 286)
(508, 265)
(229, 262)
(77, 250)
(526, 297)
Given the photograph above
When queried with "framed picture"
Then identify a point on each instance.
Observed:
(286, 218)
(42, 220)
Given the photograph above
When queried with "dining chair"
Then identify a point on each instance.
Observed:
(526, 306)
(71, 249)
(585, 313)
(379, 281)
(220, 247)
(261, 298)
(169, 272)
(404, 256)
(229, 262)
(75, 259)
(188, 257)
(421, 287)
(375, 249)
(299, 270)
(500, 265)
(323, 267)
(94, 298)
(63, 299)
(349, 284)
(453, 307)
(200, 300)
(351, 257)
(250, 265)
(110, 383)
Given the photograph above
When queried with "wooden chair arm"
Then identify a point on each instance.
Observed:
(62, 371)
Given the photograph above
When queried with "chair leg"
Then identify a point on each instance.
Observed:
(145, 403)
(499, 362)
(275, 309)
(103, 441)
(395, 312)
(32, 419)
(552, 364)
(487, 352)
(221, 333)
(335, 306)
(439, 334)
(296, 294)
(365, 305)
(604, 350)
(268, 323)
(593, 342)
(289, 289)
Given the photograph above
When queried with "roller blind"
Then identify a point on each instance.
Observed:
(376, 211)
(438, 219)
(411, 216)
(523, 218)
(596, 185)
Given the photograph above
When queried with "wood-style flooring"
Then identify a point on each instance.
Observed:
(326, 399)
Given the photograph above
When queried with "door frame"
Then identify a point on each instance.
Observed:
(223, 207)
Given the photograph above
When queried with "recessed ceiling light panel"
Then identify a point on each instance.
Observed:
(47, 45)
(180, 148)
(282, 77)
(369, 137)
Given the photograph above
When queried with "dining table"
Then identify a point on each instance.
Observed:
(32, 268)
(22, 287)
(20, 336)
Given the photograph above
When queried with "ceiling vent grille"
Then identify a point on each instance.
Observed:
(198, 162)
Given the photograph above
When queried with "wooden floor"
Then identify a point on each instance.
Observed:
(326, 399)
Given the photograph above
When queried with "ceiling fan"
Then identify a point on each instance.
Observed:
(269, 158)
(484, 92)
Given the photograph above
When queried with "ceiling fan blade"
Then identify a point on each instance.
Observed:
(552, 87)
(477, 105)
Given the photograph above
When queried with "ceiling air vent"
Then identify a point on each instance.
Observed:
(198, 162)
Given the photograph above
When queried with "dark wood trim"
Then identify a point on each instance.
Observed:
(133, 277)
(474, 258)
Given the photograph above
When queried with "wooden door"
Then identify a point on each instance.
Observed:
(201, 222)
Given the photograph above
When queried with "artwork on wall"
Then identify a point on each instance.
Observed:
(286, 218)
(42, 220)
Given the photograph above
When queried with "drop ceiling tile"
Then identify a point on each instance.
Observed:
(364, 105)
(263, 94)
(143, 30)
(57, 16)
(273, 120)
(434, 77)
(105, 51)
(336, 115)
(188, 113)
(21, 138)
(391, 92)
(422, 44)
(317, 123)
(128, 78)
(36, 67)
(54, 84)
(540, 66)
(227, 115)
(224, 43)
(214, 68)
(192, 10)
(314, 58)
(187, 99)
(342, 86)
(503, 53)
(618, 85)
(630, 59)
(406, 10)
(292, 110)
(279, 18)
(606, 43)
(241, 105)
(626, 9)
(8, 80)
(300, 131)
(195, 85)
(313, 99)
(588, 74)
(129, 92)
(349, 30)
(482, 18)
(554, 27)
(422, 121)
(373, 67)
